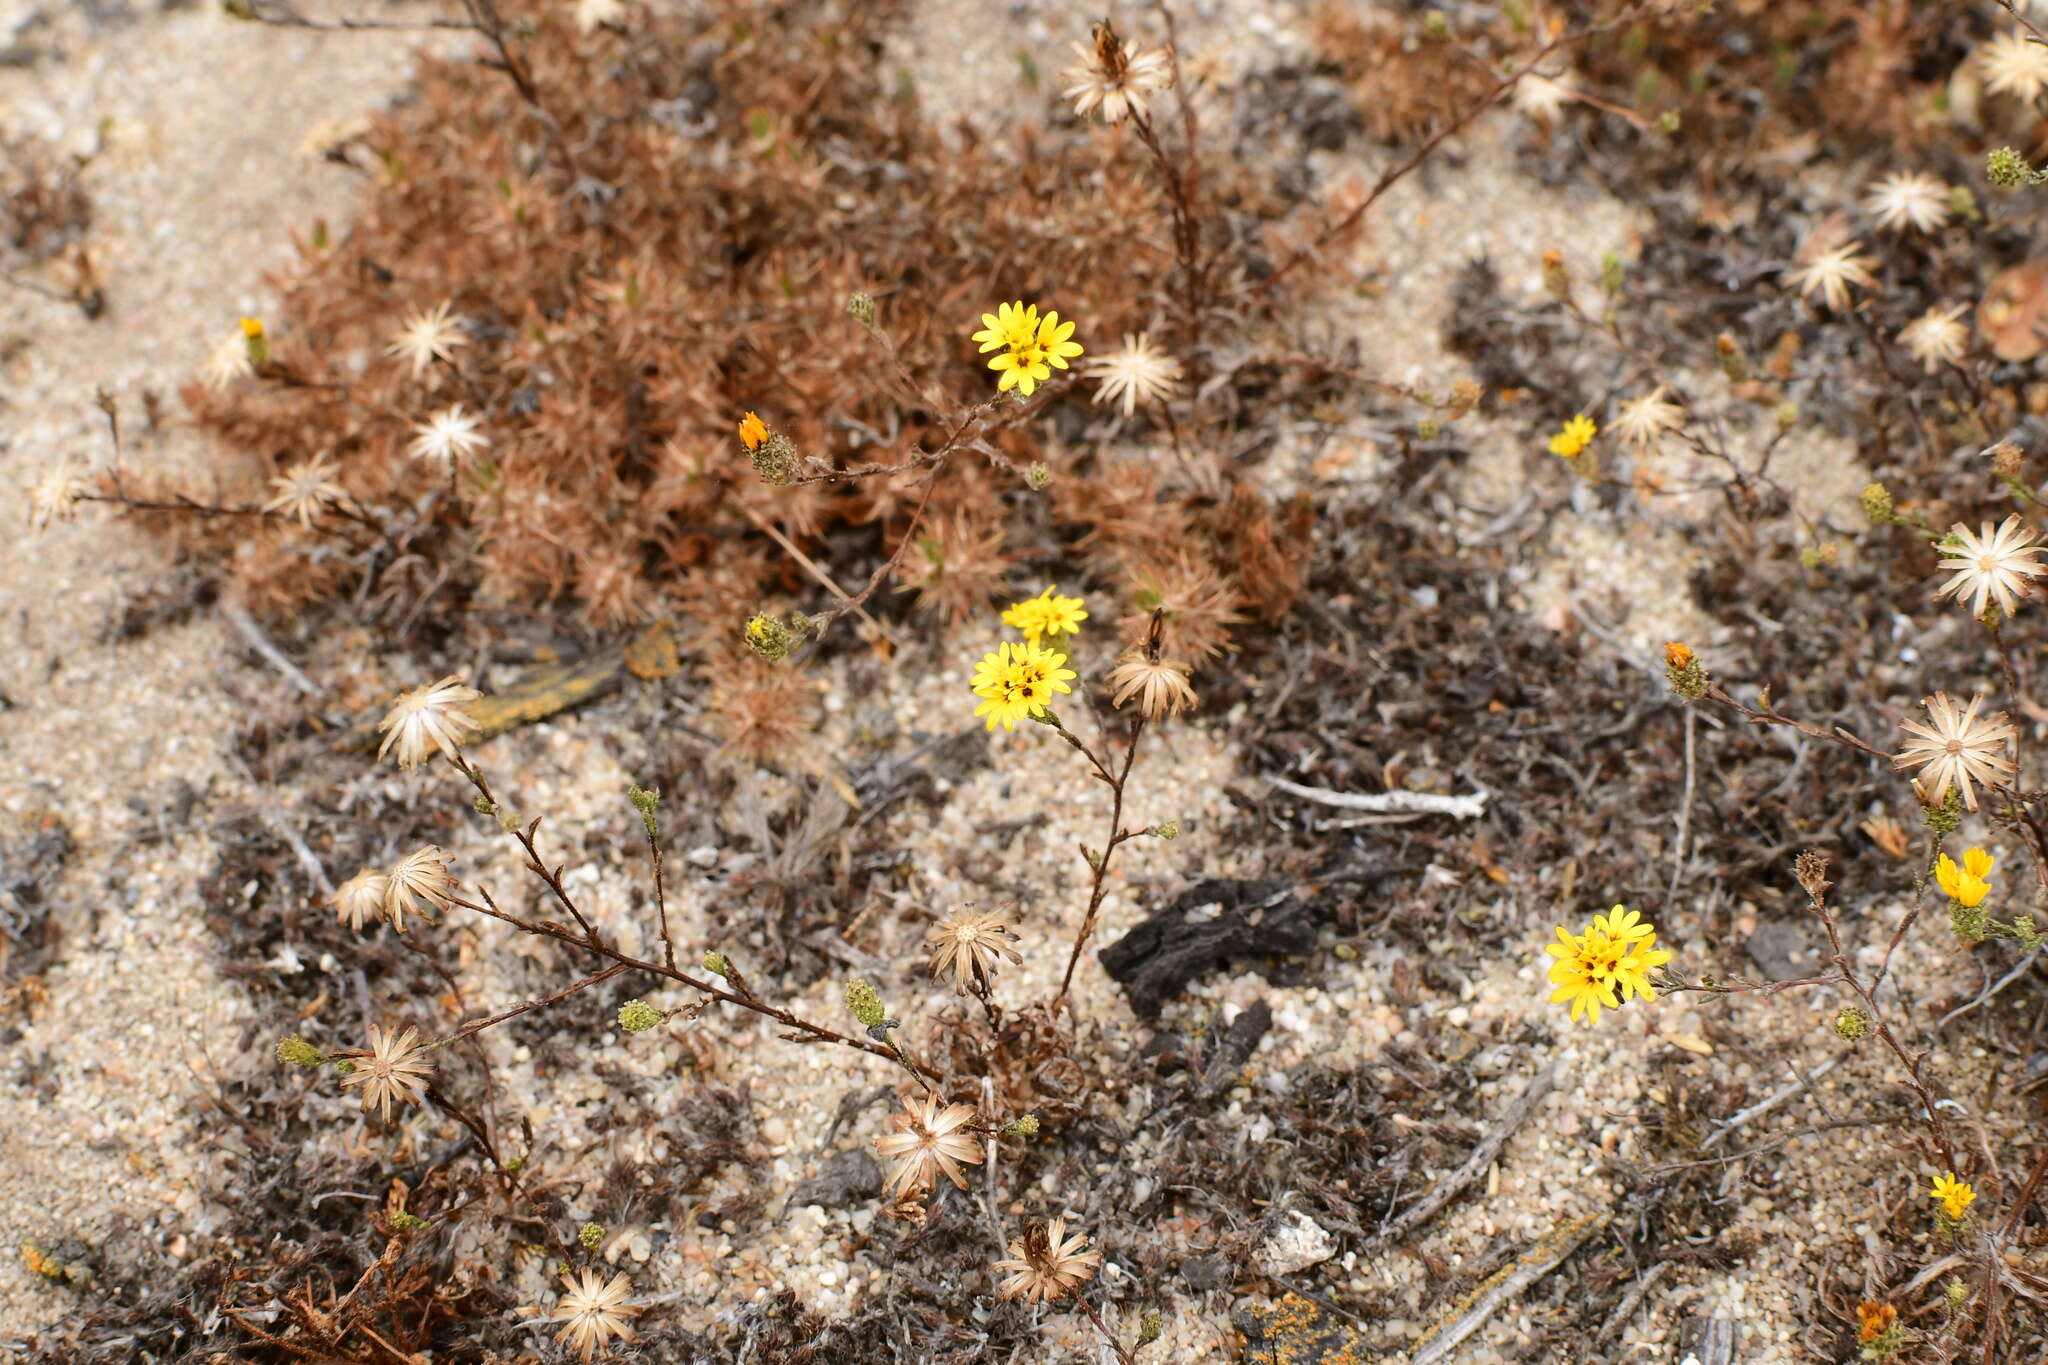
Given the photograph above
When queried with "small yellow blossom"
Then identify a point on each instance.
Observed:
(1017, 681)
(1031, 346)
(1577, 434)
(753, 431)
(1010, 326)
(1968, 884)
(1605, 963)
(1955, 1195)
(1874, 1320)
(1046, 616)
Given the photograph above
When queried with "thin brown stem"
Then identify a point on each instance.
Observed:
(1756, 717)
(591, 941)
(1118, 835)
(1123, 1356)
(476, 1026)
(1386, 182)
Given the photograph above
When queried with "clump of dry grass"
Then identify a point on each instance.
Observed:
(594, 282)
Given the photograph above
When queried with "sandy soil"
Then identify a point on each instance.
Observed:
(194, 196)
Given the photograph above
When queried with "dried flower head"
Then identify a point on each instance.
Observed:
(426, 336)
(1955, 1195)
(1937, 337)
(2014, 64)
(331, 137)
(1578, 433)
(1543, 98)
(361, 898)
(1018, 681)
(427, 719)
(391, 1069)
(56, 494)
(1605, 963)
(419, 885)
(1113, 77)
(1160, 685)
(447, 436)
(931, 1141)
(1046, 1264)
(1966, 885)
(1046, 617)
(2012, 317)
(1888, 834)
(1908, 200)
(1642, 422)
(1829, 273)
(1991, 565)
(227, 362)
(1956, 749)
(592, 1311)
(305, 492)
(592, 15)
(968, 944)
(1136, 372)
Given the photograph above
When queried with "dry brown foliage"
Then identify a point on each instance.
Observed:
(669, 239)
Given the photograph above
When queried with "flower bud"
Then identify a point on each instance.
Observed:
(590, 1236)
(258, 344)
(1728, 354)
(1877, 503)
(1682, 670)
(1851, 1023)
(645, 800)
(1027, 1126)
(861, 308)
(2006, 168)
(775, 460)
(769, 638)
(637, 1016)
(865, 1004)
(714, 962)
(296, 1051)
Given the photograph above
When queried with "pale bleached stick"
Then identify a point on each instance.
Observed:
(1423, 803)
(1546, 1256)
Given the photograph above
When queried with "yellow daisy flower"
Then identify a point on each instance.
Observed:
(1017, 681)
(1578, 433)
(1955, 1195)
(1606, 963)
(1577, 974)
(1046, 616)
(1968, 884)
(1012, 325)
(1032, 346)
